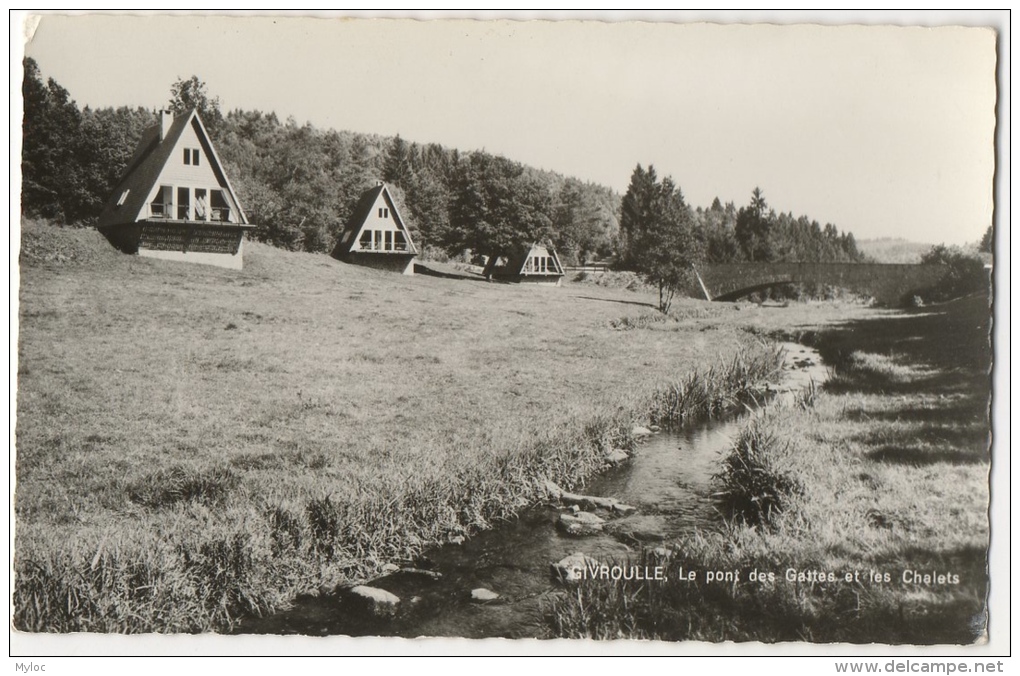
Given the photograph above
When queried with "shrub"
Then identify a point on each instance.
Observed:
(965, 274)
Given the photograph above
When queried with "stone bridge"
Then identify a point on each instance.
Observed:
(887, 283)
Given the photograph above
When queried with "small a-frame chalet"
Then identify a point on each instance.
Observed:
(376, 236)
(174, 200)
(535, 264)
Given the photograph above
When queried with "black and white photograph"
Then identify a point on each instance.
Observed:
(358, 334)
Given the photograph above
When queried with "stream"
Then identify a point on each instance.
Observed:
(668, 478)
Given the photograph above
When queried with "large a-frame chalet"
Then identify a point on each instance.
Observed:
(174, 200)
(376, 236)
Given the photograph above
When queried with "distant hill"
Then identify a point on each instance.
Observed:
(892, 250)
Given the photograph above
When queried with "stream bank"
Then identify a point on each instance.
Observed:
(499, 583)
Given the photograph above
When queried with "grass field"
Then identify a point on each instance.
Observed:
(195, 444)
(880, 475)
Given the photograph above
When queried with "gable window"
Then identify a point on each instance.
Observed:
(384, 212)
(191, 156)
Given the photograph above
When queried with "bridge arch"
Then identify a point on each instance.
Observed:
(730, 296)
(887, 283)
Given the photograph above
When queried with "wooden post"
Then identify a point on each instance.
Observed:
(704, 289)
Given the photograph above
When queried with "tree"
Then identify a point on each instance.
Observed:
(49, 141)
(428, 200)
(987, 241)
(716, 226)
(582, 222)
(753, 229)
(965, 273)
(397, 168)
(497, 206)
(665, 246)
(191, 93)
(636, 211)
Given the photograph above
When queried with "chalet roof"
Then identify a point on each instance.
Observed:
(147, 163)
(361, 213)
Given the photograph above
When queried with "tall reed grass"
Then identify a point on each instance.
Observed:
(756, 482)
(708, 392)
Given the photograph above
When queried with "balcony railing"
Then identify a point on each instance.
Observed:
(161, 210)
(182, 212)
(397, 247)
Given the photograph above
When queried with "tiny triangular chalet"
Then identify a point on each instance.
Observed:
(534, 264)
(174, 200)
(376, 236)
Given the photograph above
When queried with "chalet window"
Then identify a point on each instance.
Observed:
(191, 156)
(384, 212)
(201, 205)
(220, 208)
(187, 156)
(194, 156)
(123, 197)
(163, 206)
(183, 204)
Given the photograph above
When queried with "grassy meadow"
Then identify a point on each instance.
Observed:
(882, 471)
(197, 444)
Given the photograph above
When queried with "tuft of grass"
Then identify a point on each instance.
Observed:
(807, 398)
(178, 483)
(708, 392)
(757, 485)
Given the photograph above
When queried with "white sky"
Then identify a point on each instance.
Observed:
(885, 131)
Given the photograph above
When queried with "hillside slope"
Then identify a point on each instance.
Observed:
(892, 250)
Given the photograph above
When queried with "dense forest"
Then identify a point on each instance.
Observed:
(299, 184)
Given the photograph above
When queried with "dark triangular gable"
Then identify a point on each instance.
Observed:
(147, 164)
(356, 223)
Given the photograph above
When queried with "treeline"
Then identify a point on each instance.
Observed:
(71, 159)
(299, 184)
(757, 233)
